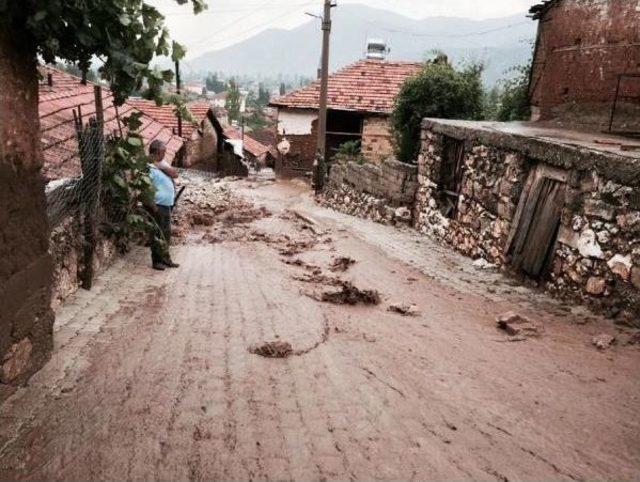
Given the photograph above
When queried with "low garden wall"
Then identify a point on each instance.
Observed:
(382, 192)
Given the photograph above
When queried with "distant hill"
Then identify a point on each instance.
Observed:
(500, 43)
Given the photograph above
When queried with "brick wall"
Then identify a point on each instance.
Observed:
(383, 192)
(377, 140)
(582, 47)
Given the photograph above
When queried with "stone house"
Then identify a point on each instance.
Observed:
(587, 54)
(361, 100)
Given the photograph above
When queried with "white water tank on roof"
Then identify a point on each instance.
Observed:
(377, 49)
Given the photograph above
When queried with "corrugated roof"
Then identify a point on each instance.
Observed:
(366, 86)
(67, 94)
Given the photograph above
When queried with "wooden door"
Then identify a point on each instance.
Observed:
(537, 221)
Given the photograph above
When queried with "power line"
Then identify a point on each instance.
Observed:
(439, 35)
(253, 27)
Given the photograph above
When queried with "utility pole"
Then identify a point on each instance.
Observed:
(321, 156)
(178, 92)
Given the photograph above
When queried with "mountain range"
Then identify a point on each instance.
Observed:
(499, 43)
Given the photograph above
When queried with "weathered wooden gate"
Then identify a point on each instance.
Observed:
(537, 220)
(451, 175)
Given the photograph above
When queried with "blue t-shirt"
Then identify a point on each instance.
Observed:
(164, 188)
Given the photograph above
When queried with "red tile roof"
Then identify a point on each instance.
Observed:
(165, 114)
(59, 141)
(366, 86)
(250, 145)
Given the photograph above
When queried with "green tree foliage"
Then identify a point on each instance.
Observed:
(441, 91)
(214, 84)
(73, 69)
(234, 100)
(263, 96)
(514, 104)
(125, 34)
(128, 190)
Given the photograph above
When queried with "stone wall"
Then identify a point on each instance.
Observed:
(382, 192)
(490, 191)
(377, 140)
(596, 258)
(65, 248)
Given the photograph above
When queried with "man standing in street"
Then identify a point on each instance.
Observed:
(162, 176)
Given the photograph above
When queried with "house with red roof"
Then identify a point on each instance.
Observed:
(201, 134)
(361, 100)
(62, 98)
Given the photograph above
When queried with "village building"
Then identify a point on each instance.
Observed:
(60, 95)
(554, 203)
(360, 101)
(587, 58)
(254, 152)
(199, 133)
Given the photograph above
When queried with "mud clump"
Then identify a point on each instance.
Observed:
(341, 264)
(348, 294)
(315, 270)
(274, 349)
(294, 248)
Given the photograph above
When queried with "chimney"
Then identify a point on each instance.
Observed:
(50, 79)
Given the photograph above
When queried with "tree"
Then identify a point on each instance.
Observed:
(263, 96)
(233, 101)
(439, 90)
(125, 35)
(514, 101)
(283, 89)
(214, 84)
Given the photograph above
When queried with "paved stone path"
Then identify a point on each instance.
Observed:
(151, 377)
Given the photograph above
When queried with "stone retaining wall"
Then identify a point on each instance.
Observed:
(596, 258)
(382, 192)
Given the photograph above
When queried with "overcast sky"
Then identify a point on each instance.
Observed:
(230, 21)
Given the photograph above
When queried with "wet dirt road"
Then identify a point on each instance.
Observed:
(152, 378)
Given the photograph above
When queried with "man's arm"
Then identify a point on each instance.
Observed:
(170, 171)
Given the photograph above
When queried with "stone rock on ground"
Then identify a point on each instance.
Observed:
(603, 341)
(404, 309)
(517, 325)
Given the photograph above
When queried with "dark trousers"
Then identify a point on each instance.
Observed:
(161, 239)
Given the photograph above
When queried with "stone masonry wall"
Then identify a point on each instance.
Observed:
(377, 140)
(491, 188)
(383, 193)
(597, 255)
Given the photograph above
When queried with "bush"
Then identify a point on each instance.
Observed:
(514, 102)
(439, 91)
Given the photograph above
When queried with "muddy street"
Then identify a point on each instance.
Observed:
(299, 343)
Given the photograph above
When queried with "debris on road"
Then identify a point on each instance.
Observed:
(519, 326)
(348, 294)
(295, 247)
(482, 263)
(603, 341)
(404, 309)
(274, 349)
(315, 270)
(342, 264)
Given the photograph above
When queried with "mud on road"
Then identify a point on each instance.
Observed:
(227, 369)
